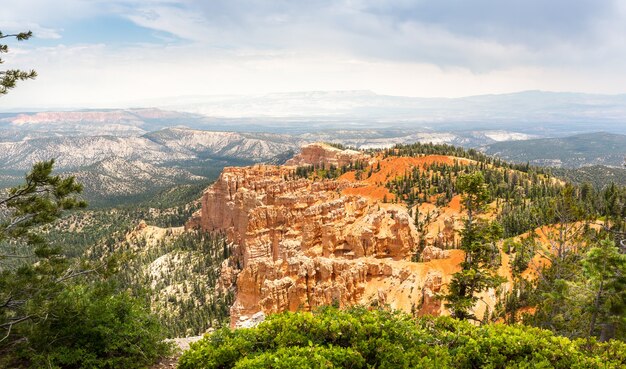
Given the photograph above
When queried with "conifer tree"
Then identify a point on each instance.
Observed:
(605, 269)
(478, 239)
(10, 77)
(30, 270)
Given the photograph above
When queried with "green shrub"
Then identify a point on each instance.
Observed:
(93, 327)
(313, 357)
(357, 338)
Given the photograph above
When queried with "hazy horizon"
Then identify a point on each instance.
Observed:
(171, 102)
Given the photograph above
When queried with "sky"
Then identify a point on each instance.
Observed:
(116, 53)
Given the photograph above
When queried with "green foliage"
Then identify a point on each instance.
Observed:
(10, 77)
(146, 193)
(558, 302)
(522, 253)
(358, 338)
(178, 196)
(582, 294)
(46, 320)
(526, 198)
(41, 200)
(474, 193)
(312, 357)
(78, 231)
(193, 305)
(93, 327)
(525, 195)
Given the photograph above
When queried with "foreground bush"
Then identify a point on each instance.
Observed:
(358, 338)
(91, 327)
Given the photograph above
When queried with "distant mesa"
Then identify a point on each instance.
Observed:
(324, 155)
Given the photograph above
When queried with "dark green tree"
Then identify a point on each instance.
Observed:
(605, 269)
(31, 271)
(10, 77)
(478, 241)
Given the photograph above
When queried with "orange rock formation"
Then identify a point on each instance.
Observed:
(300, 243)
(324, 155)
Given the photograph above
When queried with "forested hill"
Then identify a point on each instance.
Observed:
(598, 176)
(568, 152)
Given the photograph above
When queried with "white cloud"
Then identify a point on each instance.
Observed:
(74, 76)
(425, 48)
(179, 22)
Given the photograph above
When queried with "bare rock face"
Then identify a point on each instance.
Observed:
(195, 222)
(324, 155)
(430, 304)
(432, 252)
(301, 244)
(245, 321)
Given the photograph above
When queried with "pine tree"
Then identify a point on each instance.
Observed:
(30, 270)
(605, 269)
(478, 269)
(10, 77)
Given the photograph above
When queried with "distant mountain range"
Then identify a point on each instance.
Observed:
(545, 114)
(527, 106)
(116, 122)
(123, 153)
(119, 178)
(119, 167)
(94, 145)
